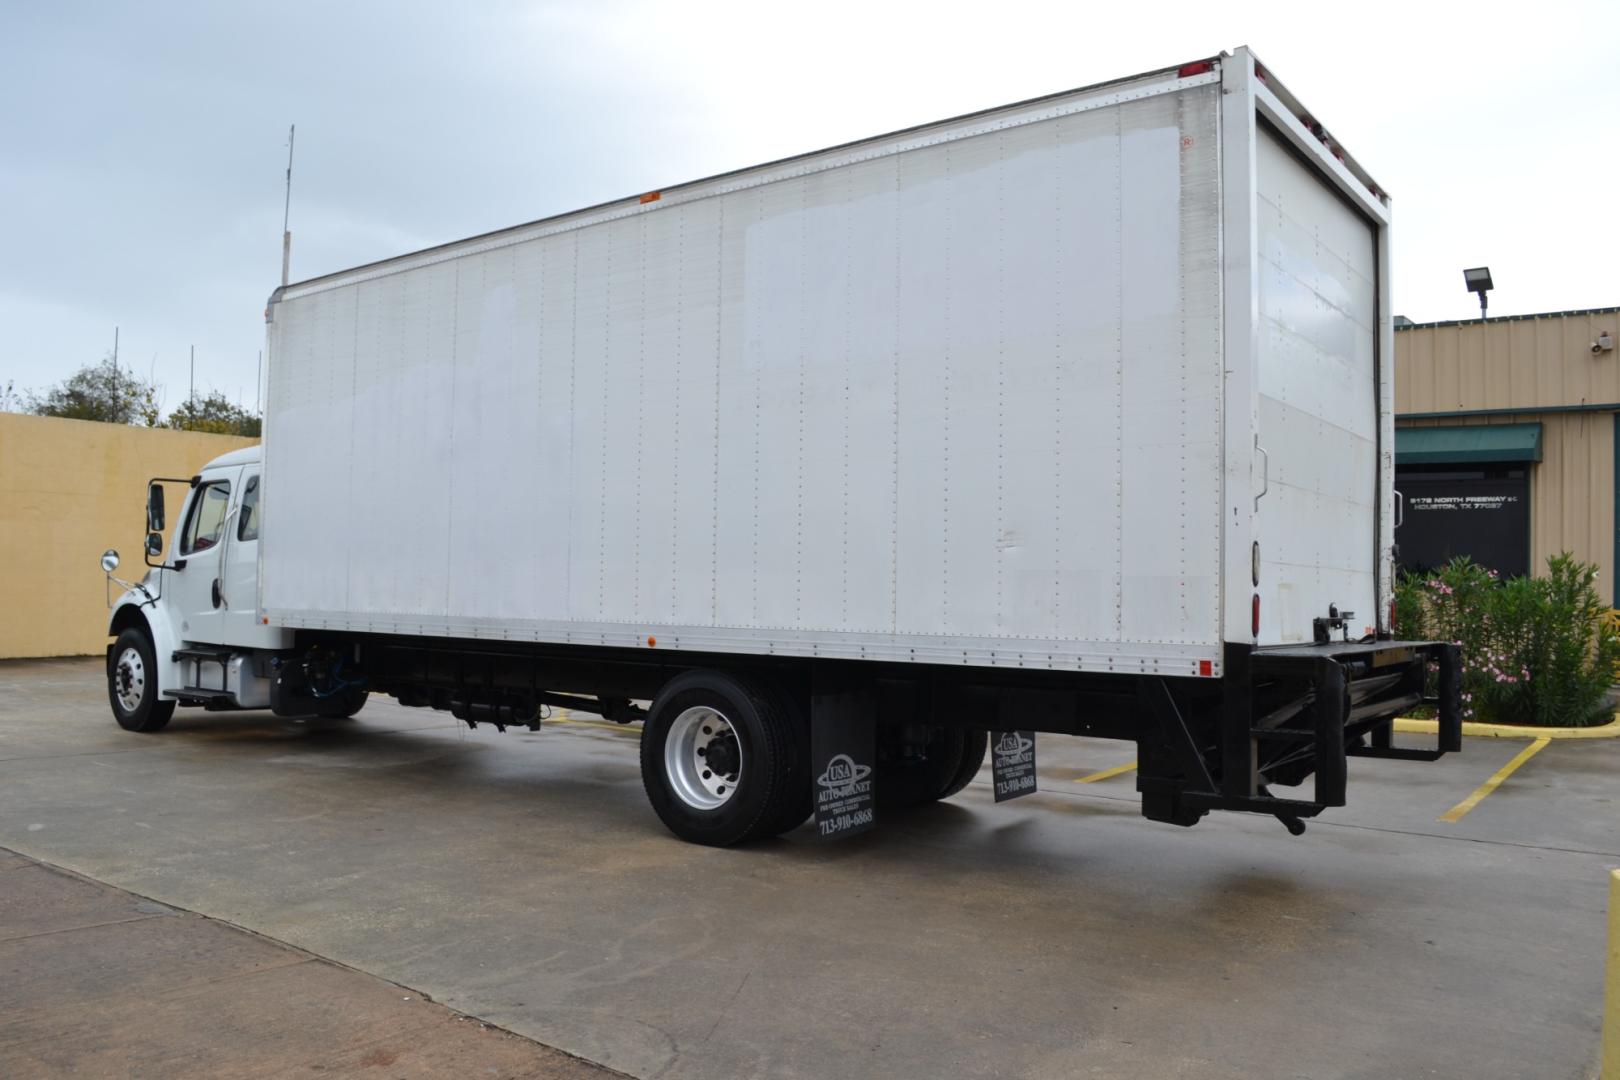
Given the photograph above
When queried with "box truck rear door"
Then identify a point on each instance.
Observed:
(1318, 384)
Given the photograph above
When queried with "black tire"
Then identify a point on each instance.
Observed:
(950, 760)
(132, 688)
(975, 743)
(772, 789)
(799, 801)
(342, 706)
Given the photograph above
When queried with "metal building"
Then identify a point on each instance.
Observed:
(1505, 442)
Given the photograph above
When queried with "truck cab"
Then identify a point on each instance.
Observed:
(191, 632)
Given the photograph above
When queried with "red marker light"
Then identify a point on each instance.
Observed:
(1254, 616)
(1206, 668)
(1197, 67)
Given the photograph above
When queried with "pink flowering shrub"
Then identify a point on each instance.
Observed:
(1535, 650)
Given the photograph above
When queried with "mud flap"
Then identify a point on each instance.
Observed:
(1012, 764)
(843, 755)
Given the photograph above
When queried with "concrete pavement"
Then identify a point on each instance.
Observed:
(522, 879)
(100, 982)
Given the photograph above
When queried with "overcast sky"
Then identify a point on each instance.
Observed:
(142, 146)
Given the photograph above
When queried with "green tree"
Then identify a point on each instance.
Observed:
(214, 413)
(104, 392)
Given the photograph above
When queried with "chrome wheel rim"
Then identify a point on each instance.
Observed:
(703, 758)
(129, 679)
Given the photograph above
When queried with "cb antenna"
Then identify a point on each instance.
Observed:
(286, 211)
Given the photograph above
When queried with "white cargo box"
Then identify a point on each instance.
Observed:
(1021, 388)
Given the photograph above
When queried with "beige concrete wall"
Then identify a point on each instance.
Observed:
(69, 490)
(1571, 488)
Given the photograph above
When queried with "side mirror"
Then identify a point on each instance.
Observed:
(109, 561)
(154, 548)
(154, 508)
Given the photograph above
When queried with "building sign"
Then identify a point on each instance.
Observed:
(1481, 513)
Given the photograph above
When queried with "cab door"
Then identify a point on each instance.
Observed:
(193, 583)
(239, 581)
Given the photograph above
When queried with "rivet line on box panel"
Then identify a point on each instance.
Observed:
(1119, 376)
(894, 410)
(542, 320)
(1001, 374)
(641, 419)
(1183, 214)
(604, 425)
(945, 428)
(803, 350)
(719, 363)
(1058, 530)
(675, 419)
(849, 278)
(573, 367)
(758, 393)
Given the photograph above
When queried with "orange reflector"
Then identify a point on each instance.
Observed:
(267, 620)
(1206, 668)
(651, 641)
(652, 196)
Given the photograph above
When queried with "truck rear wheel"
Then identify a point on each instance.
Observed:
(723, 761)
(343, 705)
(951, 759)
(132, 684)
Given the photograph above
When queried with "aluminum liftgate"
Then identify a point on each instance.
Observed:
(1282, 715)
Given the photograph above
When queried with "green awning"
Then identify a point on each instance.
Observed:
(1467, 445)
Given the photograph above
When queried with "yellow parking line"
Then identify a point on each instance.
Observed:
(1611, 994)
(1105, 774)
(606, 725)
(1456, 813)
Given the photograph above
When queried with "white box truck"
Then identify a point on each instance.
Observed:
(1071, 416)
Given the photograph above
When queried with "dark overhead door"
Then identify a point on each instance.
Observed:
(1482, 512)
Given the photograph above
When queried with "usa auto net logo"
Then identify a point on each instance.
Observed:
(1012, 744)
(842, 771)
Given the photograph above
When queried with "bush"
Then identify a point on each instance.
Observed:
(1535, 650)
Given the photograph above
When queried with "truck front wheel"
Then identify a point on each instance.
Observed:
(723, 761)
(132, 684)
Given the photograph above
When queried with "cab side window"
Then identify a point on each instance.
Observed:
(247, 518)
(207, 518)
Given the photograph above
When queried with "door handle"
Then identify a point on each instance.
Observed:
(1400, 509)
(213, 592)
(1265, 472)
